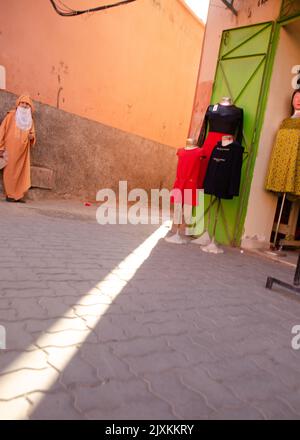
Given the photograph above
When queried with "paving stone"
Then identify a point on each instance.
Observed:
(285, 356)
(129, 327)
(242, 413)
(28, 308)
(40, 325)
(230, 369)
(56, 308)
(8, 315)
(215, 392)
(15, 409)
(254, 345)
(185, 402)
(209, 349)
(65, 338)
(276, 409)
(108, 365)
(22, 382)
(156, 362)
(19, 274)
(171, 328)
(73, 367)
(284, 373)
(17, 338)
(255, 387)
(140, 346)
(14, 361)
(53, 406)
(129, 399)
(292, 399)
(105, 330)
(192, 352)
(65, 288)
(150, 408)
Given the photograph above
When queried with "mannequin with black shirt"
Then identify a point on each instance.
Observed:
(224, 118)
(220, 120)
(223, 179)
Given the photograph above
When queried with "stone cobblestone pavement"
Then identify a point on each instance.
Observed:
(189, 336)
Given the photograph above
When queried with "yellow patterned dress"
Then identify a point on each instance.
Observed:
(284, 168)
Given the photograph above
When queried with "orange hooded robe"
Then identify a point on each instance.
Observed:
(16, 174)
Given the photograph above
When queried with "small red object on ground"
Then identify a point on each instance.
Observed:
(87, 204)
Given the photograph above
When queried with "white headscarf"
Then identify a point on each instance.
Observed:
(23, 118)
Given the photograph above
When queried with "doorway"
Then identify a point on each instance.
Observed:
(262, 212)
(284, 79)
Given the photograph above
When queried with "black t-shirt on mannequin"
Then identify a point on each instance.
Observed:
(223, 119)
(223, 174)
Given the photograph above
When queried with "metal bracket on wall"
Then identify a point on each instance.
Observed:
(229, 4)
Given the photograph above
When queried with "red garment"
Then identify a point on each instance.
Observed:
(209, 144)
(185, 190)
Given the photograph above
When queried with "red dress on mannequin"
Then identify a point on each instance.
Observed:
(185, 190)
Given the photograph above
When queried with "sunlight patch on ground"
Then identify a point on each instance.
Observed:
(31, 372)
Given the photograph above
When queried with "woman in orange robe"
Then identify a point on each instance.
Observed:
(17, 136)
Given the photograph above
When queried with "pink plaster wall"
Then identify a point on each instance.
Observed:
(133, 67)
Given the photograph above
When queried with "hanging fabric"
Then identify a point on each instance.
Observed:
(284, 169)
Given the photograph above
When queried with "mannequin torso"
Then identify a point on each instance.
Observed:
(220, 118)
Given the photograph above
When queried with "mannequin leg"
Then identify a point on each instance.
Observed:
(188, 219)
(279, 220)
(204, 239)
(213, 247)
(178, 225)
(177, 218)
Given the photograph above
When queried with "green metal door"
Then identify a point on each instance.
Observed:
(242, 74)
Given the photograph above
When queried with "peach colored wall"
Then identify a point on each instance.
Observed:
(133, 67)
(220, 18)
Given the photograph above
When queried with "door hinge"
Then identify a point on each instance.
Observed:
(229, 4)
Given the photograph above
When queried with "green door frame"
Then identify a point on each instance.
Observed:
(253, 141)
(265, 90)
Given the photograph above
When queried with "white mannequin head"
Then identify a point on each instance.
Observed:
(226, 101)
(190, 143)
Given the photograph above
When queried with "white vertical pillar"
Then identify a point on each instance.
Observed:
(2, 77)
(2, 338)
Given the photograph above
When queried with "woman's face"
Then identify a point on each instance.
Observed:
(296, 101)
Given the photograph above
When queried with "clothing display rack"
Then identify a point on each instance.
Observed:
(294, 287)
